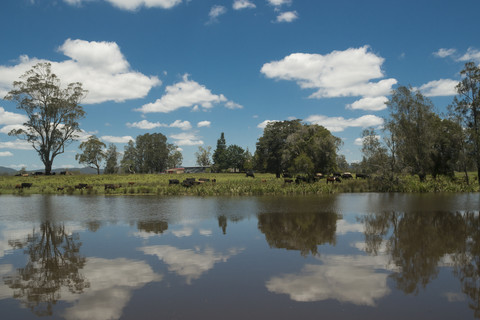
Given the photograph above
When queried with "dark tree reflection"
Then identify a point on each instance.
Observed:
(467, 261)
(298, 231)
(416, 243)
(153, 226)
(54, 262)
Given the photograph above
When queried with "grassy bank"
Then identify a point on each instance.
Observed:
(226, 184)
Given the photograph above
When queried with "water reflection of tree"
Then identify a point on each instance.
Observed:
(153, 226)
(467, 261)
(54, 263)
(298, 231)
(416, 243)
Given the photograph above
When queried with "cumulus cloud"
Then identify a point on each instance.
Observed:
(204, 124)
(6, 154)
(472, 54)
(351, 279)
(188, 263)
(338, 124)
(278, 3)
(263, 124)
(111, 285)
(243, 4)
(438, 88)
(99, 66)
(113, 139)
(132, 5)
(186, 139)
(215, 12)
(337, 74)
(9, 118)
(369, 104)
(186, 94)
(288, 16)
(17, 145)
(147, 125)
(443, 53)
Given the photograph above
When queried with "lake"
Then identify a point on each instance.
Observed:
(344, 256)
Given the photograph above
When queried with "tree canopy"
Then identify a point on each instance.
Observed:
(53, 112)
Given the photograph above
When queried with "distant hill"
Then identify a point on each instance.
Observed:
(7, 171)
(10, 171)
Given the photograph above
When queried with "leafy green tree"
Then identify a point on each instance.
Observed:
(342, 163)
(271, 145)
(53, 112)
(315, 143)
(152, 153)
(220, 154)
(128, 162)
(93, 154)
(412, 124)
(235, 157)
(111, 157)
(374, 153)
(466, 106)
(448, 147)
(203, 156)
(175, 157)
(248, 163)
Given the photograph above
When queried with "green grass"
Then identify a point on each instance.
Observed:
(226, 184)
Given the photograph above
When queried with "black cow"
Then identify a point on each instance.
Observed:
(173, 181)
(23, 185)
(333, 179)
(62, 173)
(362, 176)
(287, 180)
(249, 174)
(347, 175)
(81, 186)
(110, 186)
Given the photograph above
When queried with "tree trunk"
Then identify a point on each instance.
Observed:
(48, 167)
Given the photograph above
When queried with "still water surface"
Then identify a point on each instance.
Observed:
(347, 256)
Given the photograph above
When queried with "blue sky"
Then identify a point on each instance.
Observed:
(192, 69)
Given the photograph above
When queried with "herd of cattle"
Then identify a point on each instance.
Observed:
(190, 182)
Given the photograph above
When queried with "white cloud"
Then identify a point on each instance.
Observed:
(443, 53)
(11, 118)
(243, 4)
(147, 125)
(263, 124)
(438, 88)
(337, 124)
(186, 94)
(99, 66)
(17, 145)
(369, 104)
(278, 3)
(188, 263)
(133, 5)
(186, 139)
(113, 139)
(472, 54)
(215, 12)
(288, 16)
(204, 124)
(6, 154)
(351, 279)
(337, 74)
(232, 105)
(111, 285)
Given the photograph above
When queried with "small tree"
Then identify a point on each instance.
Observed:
(235, 156)
(175, 157)
(203, 156)
(220, 154)
(111, 157)
(93, 154)
(52, 112)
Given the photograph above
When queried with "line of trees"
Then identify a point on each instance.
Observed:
(416, 141)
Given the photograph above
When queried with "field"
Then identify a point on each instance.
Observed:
(225, 184)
